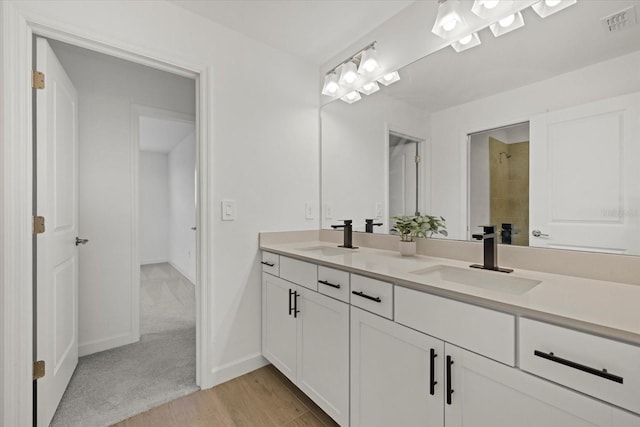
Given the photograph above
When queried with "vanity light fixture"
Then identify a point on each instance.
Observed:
(545, 8)
(448, 18)
(507, 24)
(483, 8)
(467, 42)
(351, 97)
(331, 84)
(349, 74)
(369, 61)
(369, 88)
(389, 78)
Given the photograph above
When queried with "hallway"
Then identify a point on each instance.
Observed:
(112, 385)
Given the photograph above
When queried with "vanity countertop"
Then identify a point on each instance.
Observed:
(604, 308)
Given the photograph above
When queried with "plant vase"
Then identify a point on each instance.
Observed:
(407, 247)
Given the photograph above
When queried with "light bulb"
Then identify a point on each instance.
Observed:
(491, 4)
(552, 3)
(369, 86)
(466, 40)
(351, 96)
(349, 74)
(388, 77)
(449, 24)
(331, 85)
(505, 22)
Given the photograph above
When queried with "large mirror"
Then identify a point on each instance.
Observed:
(543, 123)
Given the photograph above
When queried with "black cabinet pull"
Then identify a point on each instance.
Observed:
(267, 263)
(324, 282)
(290, 303)
(432, 381)
(449, 388)
(295, 304)
(593, 371)
(363, 295)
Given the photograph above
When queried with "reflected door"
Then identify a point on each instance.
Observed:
(584, 170)
(404, 165)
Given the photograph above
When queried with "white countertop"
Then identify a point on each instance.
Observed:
(605, 308)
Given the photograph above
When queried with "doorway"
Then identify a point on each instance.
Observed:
(108, 278)
(405, 171)
(499, 182)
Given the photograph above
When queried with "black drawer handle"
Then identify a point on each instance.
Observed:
(363, 295)
(290, 301)
(432, 381)
(449, 388)
(324, 282)
(267, 263)
(600, 373)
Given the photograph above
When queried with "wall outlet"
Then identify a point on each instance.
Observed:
(228, 210)
(328, 212)
(308, 210)
(379, 210)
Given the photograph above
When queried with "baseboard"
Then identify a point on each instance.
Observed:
(154, 261)
(96, 346)
(181, 271)
(237, 368)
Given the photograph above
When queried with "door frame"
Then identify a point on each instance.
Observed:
(16, 191)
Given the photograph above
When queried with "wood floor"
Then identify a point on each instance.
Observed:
(263, 397)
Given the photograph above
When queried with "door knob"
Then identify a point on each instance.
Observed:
(537, 233)
(80, 241)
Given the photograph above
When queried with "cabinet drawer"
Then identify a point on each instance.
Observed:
(372, 295)
(481, 330)
(578, 360)
(271, 263)
(334, 283)
(300, 272)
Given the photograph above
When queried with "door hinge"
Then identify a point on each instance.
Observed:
(418, 159)
(38, 369)
(38, 224)
(37, 80)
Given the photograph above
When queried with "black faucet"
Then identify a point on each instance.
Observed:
(490, 240)
(368, 225)
(348, 233)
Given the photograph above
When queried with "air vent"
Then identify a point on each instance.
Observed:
(619, 21)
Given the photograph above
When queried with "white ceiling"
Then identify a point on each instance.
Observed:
(161, 135)
(315, 30)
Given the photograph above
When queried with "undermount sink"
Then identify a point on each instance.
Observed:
(443, 274)
(327, 250)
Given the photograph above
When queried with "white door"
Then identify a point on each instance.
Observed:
(57, 253)
(584, 177)
(402, 177)
(279, 324)
(396, 374)
(323, 353)
(486, 393)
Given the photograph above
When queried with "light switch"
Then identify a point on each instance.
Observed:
(228, 210)
(308, 210)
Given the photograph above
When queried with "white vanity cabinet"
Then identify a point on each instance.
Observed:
(485, 393)
(396, 374)
(306, 336)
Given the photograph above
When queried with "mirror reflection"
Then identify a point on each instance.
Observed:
(567, 181)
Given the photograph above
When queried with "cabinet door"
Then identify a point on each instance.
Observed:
(486, 393)
(278, 325)
(391, 374)
(323, 353)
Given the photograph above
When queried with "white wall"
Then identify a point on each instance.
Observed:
(450, 127)
(153, 195)
(261, 118)
(182, 207)
(355, 159)
(107, 88)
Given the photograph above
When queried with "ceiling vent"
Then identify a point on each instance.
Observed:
(620, 20)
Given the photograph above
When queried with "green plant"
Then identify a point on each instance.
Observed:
(410, 227)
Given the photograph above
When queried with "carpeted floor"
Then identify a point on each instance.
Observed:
(110, 386)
